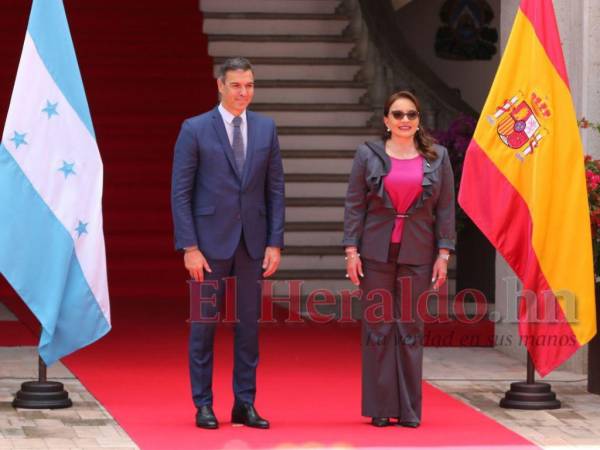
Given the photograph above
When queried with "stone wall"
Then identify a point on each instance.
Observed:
(420, 21)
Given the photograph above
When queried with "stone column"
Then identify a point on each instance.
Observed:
(589, 105)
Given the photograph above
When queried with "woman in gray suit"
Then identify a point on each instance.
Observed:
(398, 235)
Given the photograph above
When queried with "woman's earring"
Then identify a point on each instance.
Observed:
(418, 128)
(388, 130)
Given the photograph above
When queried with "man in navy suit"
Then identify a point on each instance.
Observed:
(228, 212)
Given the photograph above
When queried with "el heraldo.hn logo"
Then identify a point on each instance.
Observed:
(521, 123)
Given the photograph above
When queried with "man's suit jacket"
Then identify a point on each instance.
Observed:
(369, 214)
(212, 203)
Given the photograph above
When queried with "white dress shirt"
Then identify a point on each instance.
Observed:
(228, 121)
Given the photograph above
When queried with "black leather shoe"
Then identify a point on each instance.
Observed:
(380, 422)
(246, 414)
(205, 418)
(409, 424)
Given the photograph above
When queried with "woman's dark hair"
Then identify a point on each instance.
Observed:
(423, 140)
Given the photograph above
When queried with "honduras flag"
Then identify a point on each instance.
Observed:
(51, 239)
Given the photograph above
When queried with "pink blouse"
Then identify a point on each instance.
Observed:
(403, 185)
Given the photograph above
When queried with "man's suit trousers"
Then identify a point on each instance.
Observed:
(247, 273)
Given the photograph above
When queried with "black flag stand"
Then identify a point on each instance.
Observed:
(42, 394)
(530, 394)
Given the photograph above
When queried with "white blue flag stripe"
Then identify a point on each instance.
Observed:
(51, 236)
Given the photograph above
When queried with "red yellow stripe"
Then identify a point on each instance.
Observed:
(512, 238)
(540, 14)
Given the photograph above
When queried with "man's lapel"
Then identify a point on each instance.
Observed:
(222, 134)
(251, 127)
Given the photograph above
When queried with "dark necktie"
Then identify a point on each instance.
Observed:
(238, 144)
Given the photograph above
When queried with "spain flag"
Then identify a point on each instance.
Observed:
(523, 185)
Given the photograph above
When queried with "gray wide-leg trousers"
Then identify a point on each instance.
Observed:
(392, 338)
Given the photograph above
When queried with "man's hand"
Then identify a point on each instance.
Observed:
(271, 261)
(195, 263)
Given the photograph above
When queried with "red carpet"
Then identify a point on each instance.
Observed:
(15, 334)
(308, 386)
(146, 68)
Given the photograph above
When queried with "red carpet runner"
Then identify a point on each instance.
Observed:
(16, 334)
(308, 386)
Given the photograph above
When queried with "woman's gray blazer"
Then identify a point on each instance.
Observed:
(369, 215)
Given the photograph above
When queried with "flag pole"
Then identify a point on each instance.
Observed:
(42, 370)
(530, 394)
(42, 394)
(530, 370)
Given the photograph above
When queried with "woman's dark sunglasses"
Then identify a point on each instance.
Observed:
(410, 115)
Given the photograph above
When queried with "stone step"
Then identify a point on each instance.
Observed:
(314, 226)
(336, 286)
(265, 38)
(316, 242)
(286, 68)
(270, 6)
(294, 238)
(282, 287)
(317, 177)
(321, 71)
(274, 24)
(327, 84)
(277, 47)
(303, 189)
(321, 202)
(309, 107)
(318, 154)
(268, 16)
(333, 279)
(295, 61)
(309, 94)
(316, 165)
(338, 250)
(314, 213)
(300, 142)
(314, 250)
(337, 131)
(314, 262)
(329, 267)
(319, 118)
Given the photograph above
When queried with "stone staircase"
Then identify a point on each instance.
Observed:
(309, 83)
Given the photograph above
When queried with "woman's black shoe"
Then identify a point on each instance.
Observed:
(380, 422)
